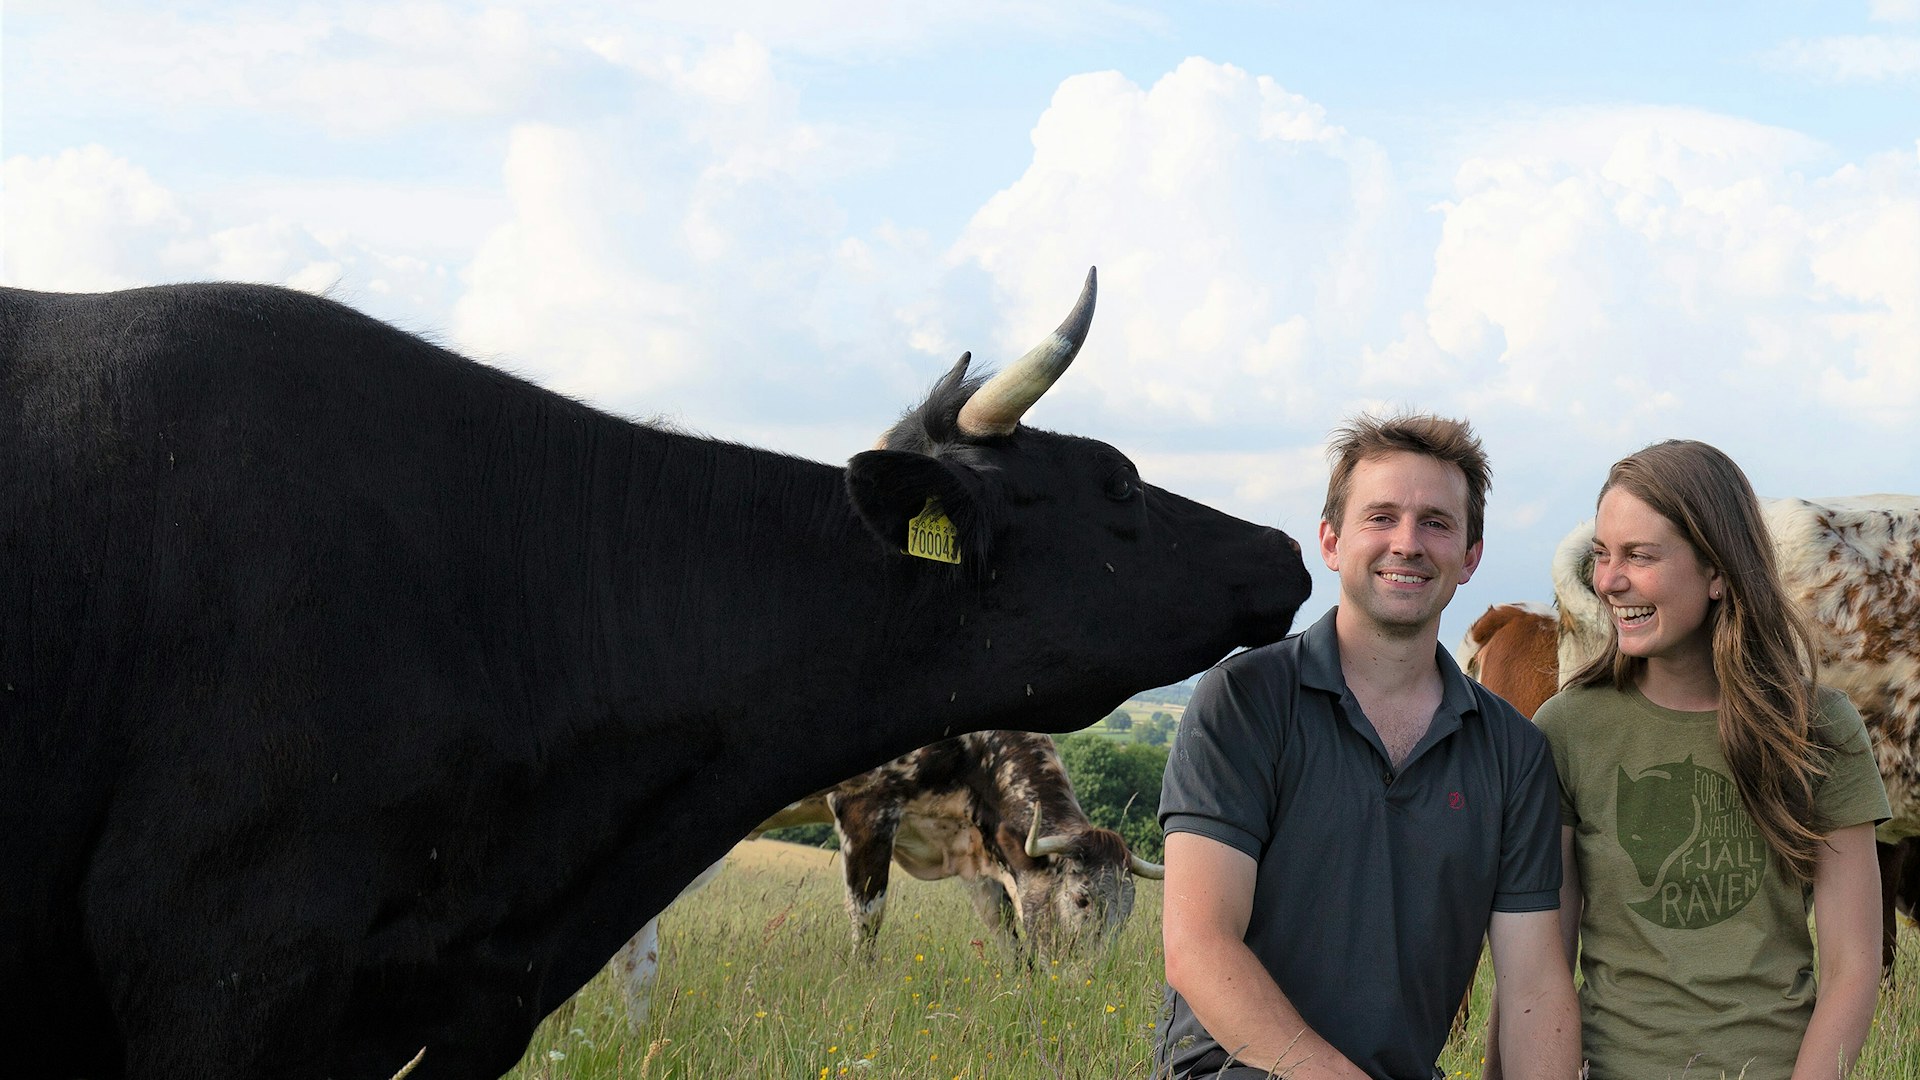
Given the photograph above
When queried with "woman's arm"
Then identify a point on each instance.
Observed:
(1846, 918)
(1573, 903)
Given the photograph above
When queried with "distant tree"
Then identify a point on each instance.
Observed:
(1120, 720)
(811, 835)
(1119, 788)
(1177, 694)
(1156, 731)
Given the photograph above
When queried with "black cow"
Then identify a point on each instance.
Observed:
(357, 698)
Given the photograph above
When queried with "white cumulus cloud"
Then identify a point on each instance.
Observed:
(356, 68)
(649, 260)
(85, 220)
(1642, 269)
(1242, 239)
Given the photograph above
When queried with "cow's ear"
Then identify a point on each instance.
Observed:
(891, 487)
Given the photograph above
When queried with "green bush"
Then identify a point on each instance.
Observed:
(1118, 787)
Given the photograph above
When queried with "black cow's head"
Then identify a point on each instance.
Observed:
(1061, 538)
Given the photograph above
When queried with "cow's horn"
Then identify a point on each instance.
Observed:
(1144, 868)
(996, 408)
(1037, 845)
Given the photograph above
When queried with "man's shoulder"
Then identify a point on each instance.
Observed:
(1277, 658)
(1508, 729)
(1278, 664)
(1253, 686)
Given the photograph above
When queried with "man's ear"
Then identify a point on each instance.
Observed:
(1330, 545)
(891, 487)
(1472, 561)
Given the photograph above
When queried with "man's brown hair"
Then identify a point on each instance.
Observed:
(1367, 436)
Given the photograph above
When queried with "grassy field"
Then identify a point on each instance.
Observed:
(756, 981)
(1140, 712)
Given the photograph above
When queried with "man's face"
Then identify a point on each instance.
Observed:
(1401, 548)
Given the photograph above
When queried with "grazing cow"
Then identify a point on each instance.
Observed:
(994, 809)
(357, 698)
(1852, 566)
(1512, 651)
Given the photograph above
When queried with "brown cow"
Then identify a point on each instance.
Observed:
(1513, 650)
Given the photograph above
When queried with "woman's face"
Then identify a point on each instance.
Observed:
(1653, 582)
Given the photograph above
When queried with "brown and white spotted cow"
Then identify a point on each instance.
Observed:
(1852, 565)
(992, 808)
(995, 809)
(1513, 650)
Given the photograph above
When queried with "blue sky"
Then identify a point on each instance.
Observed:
(1585, 227)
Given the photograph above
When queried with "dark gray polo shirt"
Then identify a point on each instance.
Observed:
(1374, 888)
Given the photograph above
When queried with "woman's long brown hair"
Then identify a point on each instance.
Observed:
(1763, 656)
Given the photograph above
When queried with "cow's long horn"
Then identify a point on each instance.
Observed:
(996, 408)
(1037, 845)
(1144, 868)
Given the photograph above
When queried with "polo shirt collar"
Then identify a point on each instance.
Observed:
(1320, 669)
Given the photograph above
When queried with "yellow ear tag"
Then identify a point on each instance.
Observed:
(931, 536)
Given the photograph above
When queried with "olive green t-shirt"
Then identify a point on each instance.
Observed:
(1694, 941)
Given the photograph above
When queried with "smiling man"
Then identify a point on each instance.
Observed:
(1348, 815)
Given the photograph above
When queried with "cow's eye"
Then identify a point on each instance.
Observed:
(1120, 486)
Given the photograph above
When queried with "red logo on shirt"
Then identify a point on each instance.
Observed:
(1456, 800)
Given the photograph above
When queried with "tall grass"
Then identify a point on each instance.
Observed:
(756, 980)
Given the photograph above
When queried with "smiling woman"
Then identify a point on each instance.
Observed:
(1660, 593)
(1709, 786)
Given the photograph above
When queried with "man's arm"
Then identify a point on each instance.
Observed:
(1846, 914)
(1533, 990)
(1209, 900)
(1572, 904)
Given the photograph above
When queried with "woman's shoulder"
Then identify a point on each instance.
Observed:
(1835, 720)
(1829, 702)
(1574, 706)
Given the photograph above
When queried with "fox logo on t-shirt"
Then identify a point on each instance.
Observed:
(1691, 842)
